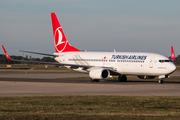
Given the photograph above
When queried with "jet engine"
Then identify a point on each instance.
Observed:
(99, 73)
(146, 77)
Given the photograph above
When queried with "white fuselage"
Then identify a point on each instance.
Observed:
(126, 63)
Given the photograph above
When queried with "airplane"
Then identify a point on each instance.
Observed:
(103, 65)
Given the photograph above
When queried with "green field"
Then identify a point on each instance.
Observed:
(30, 66)
(33, 69)
(90, 107)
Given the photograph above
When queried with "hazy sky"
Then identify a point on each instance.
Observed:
(94, 25)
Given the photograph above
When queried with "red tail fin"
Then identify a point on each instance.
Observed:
(61, 43)
(172, 54)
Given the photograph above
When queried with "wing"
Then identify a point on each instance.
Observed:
(112, 70)
(38, 53)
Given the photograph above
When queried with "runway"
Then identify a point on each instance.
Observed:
(47, 84)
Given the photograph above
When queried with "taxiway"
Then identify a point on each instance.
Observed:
(48, 84)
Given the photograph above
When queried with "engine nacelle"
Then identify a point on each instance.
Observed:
(146, 77)
(99, 73)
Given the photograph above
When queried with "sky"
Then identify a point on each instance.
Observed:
(92, 25)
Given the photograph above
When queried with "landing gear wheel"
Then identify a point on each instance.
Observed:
(122, 78)
(97, 80)
(161, 81)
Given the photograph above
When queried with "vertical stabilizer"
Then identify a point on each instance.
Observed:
(60, 41)
(172, 54)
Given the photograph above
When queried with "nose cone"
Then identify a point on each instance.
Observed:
(172, 68)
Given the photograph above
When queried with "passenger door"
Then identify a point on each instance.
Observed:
(151, 63)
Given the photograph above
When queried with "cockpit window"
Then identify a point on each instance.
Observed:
(161, 61)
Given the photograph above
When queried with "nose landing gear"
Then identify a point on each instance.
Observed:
(161, 80)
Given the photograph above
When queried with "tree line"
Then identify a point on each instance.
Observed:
(177, 61)
(4, 60)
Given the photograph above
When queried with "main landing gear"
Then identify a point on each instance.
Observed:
(122, 78)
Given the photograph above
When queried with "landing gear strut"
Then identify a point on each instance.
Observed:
(162, 78)
(122, 78)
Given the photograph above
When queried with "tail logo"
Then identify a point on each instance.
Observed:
(60, 40)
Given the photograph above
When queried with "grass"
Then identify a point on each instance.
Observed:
(34, 69)
(89, 107)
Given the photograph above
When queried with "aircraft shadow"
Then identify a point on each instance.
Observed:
(80, 81)
(130, 81)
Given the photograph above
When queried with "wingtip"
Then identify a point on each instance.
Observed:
(7, 56)
(3, 46)
(4, 49)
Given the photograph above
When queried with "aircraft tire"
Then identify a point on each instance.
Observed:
(161, 81)
(124, 78)
(120, 79)
(97, 80)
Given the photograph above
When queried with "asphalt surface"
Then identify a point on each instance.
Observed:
(49, 84)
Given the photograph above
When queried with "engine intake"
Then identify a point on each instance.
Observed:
(99, 73)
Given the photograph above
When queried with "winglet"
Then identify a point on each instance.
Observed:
(172, 54)
(7, 56)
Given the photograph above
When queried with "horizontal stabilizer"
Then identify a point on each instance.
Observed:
(38, 53)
